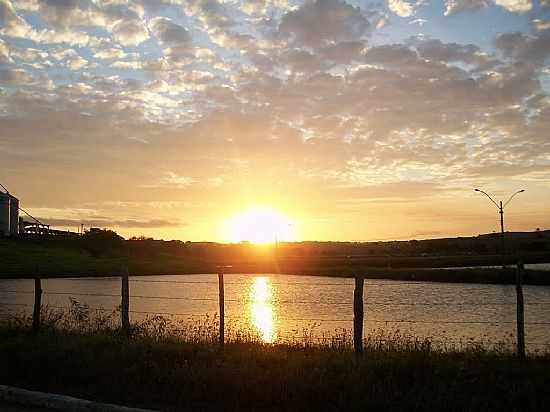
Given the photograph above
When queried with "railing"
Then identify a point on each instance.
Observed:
(357, 303)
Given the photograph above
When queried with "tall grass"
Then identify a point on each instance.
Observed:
(173, 364)
(80, 318)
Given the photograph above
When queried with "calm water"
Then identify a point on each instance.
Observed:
(279, 307)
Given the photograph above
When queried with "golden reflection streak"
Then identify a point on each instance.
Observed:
(261, 309)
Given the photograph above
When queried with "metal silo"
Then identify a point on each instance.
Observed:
(4, 214)
(14, 215)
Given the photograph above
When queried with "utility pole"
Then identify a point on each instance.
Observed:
(502, 245)
(500, 206)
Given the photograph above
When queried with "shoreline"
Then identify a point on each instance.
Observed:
(437, 275)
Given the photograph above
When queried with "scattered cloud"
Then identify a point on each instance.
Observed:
(175, 180)
(130, 32)
(328, 99)
(401, 8)
(513, 6)
(13, 77)
(169, 33)
(322, 22)
(108, 223)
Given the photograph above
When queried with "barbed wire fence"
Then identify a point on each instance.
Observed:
(358, 304)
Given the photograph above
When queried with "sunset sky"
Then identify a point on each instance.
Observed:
(354, 120)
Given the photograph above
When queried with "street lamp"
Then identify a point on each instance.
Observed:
(500, 206)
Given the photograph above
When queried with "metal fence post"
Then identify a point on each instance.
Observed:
(37, 305)
(520, 312)
(125, 303)
(358, 314)
(222, 309)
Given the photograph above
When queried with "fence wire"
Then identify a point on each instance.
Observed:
(368, 303)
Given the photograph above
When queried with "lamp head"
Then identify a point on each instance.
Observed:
(522, 190)
(476, 190)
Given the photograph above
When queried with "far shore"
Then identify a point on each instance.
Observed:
(19, 260)
(455, 275)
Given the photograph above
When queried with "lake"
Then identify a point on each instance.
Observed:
(283, 307)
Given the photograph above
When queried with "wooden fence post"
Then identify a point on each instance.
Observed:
(222, 308)
(520, 312)
(37, 305)
(358, 314)
(125, 303)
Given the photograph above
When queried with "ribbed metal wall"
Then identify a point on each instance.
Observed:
(4, 214)
(14, 216)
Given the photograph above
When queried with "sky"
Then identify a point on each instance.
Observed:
(354, 120)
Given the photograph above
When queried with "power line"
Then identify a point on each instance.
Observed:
(174, 281)
(311, 302)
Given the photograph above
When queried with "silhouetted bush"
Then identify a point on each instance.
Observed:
(102, 242)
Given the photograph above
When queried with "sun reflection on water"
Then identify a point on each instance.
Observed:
(261, 309)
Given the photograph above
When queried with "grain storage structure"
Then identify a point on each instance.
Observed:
(5, 214)
(9, 215)
(14, 216)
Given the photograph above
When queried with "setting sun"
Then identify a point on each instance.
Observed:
(260, 225)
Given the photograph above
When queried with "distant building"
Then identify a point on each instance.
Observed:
(9, 215)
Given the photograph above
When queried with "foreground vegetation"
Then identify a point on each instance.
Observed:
(171, 367)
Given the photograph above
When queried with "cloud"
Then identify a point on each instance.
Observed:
(110, 53)
(322, 22)
(301, 61)
(77, 63)
(391, 55)
(4, 53)
(126, 65)
(62, 13)
(261, 7)
(13, 77)
(29, 55)
(108, 223)
(130, 32)
(513, 6)
(458, 6)
(169, 33)
(10, 22)
(523, 47)
(212, 13)
(401, 8)
(541, 25)
(344, 52)
(13, 25)
(233, 40)
(171, 179)
(433, 49)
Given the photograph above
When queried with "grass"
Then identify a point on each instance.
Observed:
(170, 367)
(26, 258)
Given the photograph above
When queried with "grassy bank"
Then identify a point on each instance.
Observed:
(57, 259)
(27, 259)
(171, 373)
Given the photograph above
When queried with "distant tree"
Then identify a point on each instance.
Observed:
(102, 242)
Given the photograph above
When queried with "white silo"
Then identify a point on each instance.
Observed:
(14, 215)
(4, 214)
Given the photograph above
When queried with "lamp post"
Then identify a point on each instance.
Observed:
(500, 206)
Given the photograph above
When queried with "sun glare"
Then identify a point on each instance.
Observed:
(260, 225)
(263, 317)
